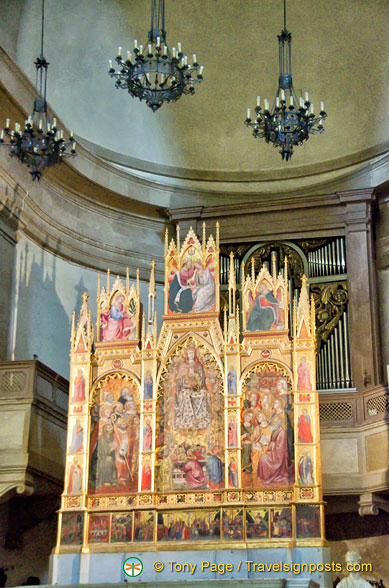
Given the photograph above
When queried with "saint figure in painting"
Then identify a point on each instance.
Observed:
(146, 478)
(266, 313)
(233, 478)
(274, 466)
(305, 469)
(148, 386)
(304, 427)
(247, 430)
(304, 375)
(231, 378)
(106, 472)
(77, 442)
(79, 388)
(232, 434)
(116, 323)
(75, 478)
(147, 436)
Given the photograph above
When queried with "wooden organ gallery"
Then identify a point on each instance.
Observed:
(205, 437)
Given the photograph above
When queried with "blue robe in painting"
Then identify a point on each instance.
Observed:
(185, 302)
(263, 315)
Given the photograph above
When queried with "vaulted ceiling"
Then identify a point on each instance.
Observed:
(339, 56)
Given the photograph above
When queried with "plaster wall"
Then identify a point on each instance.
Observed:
(46, 290)
(7, 248)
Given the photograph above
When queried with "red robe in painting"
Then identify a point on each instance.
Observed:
(79, 389)
(274, 466)
(116, 324)
(304, 430)
(146, 478)
(194, 476)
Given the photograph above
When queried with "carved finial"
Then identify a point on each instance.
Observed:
(178, 239)
(242, 266)
(152, 280)
(137, 281)
(225, 324)
(274, 264)
(142, 335)
(166, 239)
(304, 281)
(294, 316)
(231, 286)
(217, 234)
(152, 294)
(313, 318)
(128, 279)
(85, 298)
(286, 270)
(98, 285)
(204, 236)
(253, 271)
(73, 327)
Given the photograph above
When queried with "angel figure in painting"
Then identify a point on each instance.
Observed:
(304, 375)
(265, 311)
(79, 388)
(116, 323)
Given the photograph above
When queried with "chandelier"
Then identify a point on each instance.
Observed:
(154, 73)
(40, 143)
(290, 121)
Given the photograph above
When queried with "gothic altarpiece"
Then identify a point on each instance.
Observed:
(203, 436)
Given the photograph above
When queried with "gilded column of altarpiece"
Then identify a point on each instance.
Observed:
(203, 436)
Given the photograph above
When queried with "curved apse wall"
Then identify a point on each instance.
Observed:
(335, 58)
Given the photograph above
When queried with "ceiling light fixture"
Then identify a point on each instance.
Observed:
(290, 121)
(40, 144)
(153, 73)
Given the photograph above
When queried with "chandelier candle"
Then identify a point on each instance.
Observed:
(159, 76)
(286, 126)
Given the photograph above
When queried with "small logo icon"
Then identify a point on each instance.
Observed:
(132, 567)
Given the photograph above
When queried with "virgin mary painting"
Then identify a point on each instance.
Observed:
(116, 323)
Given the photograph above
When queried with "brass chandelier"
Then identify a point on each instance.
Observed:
(154, 73)
(40, 143)
(291, 120)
